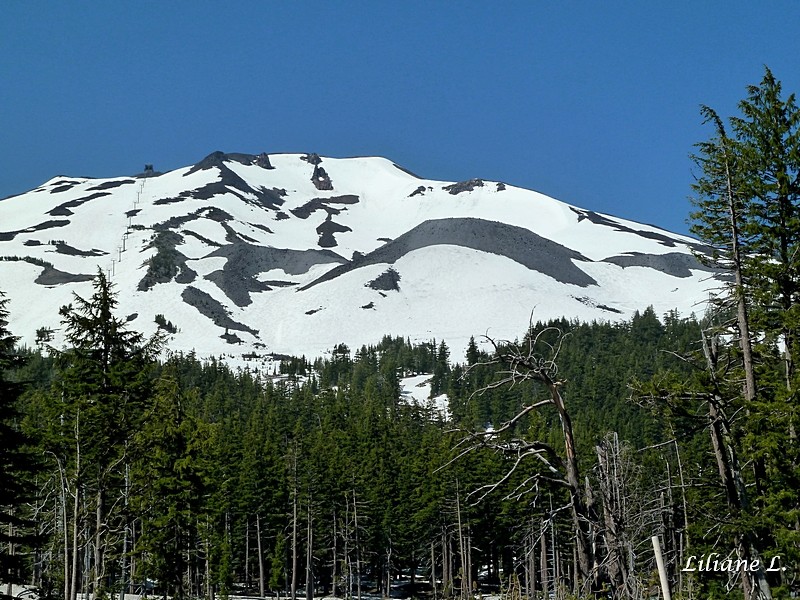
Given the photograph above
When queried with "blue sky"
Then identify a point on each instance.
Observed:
(593, 103)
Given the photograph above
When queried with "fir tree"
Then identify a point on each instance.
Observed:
(168, 487)
(15, 461)
(96, 404)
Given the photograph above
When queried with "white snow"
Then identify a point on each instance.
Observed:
(446, 292)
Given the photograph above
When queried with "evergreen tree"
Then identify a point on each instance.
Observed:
(95, 407)
(747, 200)
(15, 460)
(168, 487)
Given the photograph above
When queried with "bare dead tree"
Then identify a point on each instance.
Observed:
(535, 360)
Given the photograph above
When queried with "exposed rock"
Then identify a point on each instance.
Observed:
(245, 262)
(326, 230)
(52, 276)
(233, 236)
(235, 287)
(406, 171)
(665, 239)
(7, 236)
(589, 302)
(305, 211)
(108, 185)
(501, 186)
(231, 338)
(386, 281)
(63, 210)
(263, 228)
(49, 275)
(215, 159)
(417, 192)
(463, 186)
(162, 201)
(212, 309)
(313, 158)
(63, 248)
(279, 283)
(63, 188)
(167, 263)
(676, 264)
(231, 183)
(321, 180)
(262, 160)
(516, 243)
(202, 238)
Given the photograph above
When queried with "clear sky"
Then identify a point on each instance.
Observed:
(594, 103)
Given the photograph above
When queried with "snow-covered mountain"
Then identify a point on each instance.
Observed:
(289, 253)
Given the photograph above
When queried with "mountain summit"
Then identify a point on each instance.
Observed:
(248, 255)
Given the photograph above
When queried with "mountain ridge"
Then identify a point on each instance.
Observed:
(286, 247)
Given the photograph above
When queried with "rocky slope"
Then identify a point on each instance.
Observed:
(249, 255)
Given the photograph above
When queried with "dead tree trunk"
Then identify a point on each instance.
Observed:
(754, 583)
(613, 511)
(294, 545)
(309, 554)
(524, 363)
(543, 575)
(259, 549)
(335, 565)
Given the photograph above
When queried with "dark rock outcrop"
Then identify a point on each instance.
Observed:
(212, 309)
(665, 239)
(516, 243)
(312, 159)
(386, 281)
(245, 261)
(262, 160)
(321, 180)
(676, 264)
(327, 229)
(463, 186)
(315, 204)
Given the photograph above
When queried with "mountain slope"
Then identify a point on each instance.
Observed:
(257, 254)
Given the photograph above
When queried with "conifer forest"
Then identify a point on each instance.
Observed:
(125, 469)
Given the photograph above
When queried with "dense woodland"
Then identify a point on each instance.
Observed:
(563, 452)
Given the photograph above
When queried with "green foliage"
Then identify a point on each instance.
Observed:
(165, 325)
(17, 465)
(748, 203)
(169, 482)
(163, 266)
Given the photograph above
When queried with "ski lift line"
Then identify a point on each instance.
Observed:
(122, 247)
